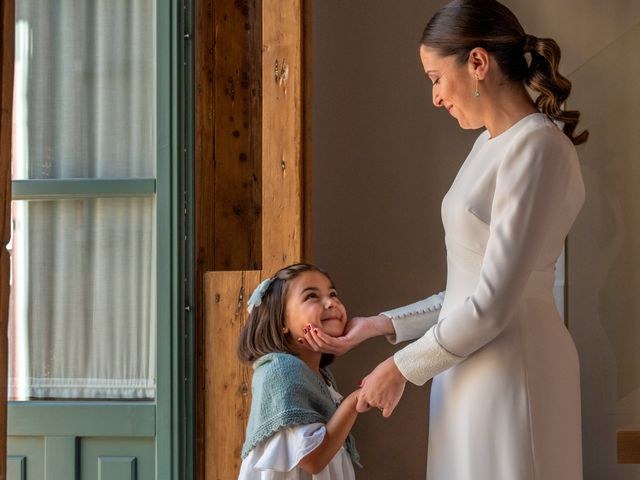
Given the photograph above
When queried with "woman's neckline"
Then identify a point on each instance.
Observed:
(512, 127)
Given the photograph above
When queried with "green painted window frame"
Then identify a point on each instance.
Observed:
(53, 189)
(170, 417)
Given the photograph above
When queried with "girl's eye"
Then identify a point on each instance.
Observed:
(334, 294)
(311, 295)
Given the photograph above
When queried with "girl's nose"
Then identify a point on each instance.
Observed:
(331, 302)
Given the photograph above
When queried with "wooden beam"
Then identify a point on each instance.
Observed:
(7, 22)
(237, 132)
(230, 233)
(227, 380)
(228, 173)
(629, 446)
(282, 120)
(228, 130)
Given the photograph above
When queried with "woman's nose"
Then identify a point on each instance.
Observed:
(437, 101)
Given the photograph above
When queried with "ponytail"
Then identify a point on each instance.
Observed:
(553, 88)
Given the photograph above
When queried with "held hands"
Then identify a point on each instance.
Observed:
(382, 388)
(358, 329)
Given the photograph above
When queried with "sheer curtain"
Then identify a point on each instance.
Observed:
(83, 309)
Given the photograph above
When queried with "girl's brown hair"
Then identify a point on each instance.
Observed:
(263, 333)
(461, 25)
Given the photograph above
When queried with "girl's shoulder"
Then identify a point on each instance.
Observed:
(277, 360)
(279, 364)
(281, 367)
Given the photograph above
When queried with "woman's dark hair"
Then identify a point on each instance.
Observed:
(263, 333)
(462, 25)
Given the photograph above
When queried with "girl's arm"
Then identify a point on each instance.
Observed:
(337, 430)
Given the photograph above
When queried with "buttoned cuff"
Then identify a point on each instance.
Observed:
(424, 359)
(413, 321)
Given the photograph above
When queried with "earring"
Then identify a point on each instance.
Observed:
(477, 92)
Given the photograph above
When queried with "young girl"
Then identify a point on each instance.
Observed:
(299, 424)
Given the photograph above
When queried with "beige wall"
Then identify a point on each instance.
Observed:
(384, 157)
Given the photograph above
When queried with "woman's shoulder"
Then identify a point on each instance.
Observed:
(539, 130)
(538, 140)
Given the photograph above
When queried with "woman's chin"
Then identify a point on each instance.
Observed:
(465, 125)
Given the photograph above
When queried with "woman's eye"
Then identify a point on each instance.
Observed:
(437, 81)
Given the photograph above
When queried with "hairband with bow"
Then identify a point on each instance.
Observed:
(256, 297)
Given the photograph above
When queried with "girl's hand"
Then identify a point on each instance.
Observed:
(382, 388)
(358, 329)
(338, 428)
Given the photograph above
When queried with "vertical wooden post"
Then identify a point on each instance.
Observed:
(282, 119)
(228, 382)
(7, 22)
(237, 134)
(280, 129)
(228, 162)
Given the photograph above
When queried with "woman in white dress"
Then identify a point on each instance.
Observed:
(505, 399)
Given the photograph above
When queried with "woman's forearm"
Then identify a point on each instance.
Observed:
(337, 430)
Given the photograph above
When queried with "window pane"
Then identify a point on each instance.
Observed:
(83, 307)
(84, 89)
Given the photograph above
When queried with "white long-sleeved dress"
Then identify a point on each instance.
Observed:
(505, 399)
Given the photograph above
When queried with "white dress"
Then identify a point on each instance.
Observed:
(505, 399)
(277, 457)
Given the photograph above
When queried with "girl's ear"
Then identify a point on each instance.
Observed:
(478, 63)
(285, 330)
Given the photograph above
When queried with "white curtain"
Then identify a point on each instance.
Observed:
(83, 310)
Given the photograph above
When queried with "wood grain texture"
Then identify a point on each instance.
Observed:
(7, 22)
(242, 252)
(227, 157)
(282, 119)
(237, 132)
(629, 446)
(227, 380)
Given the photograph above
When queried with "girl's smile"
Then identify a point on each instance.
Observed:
(312, 301)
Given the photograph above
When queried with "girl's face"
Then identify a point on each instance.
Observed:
(453, 87)
(312, 299)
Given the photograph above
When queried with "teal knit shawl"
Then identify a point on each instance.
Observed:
(286, 392)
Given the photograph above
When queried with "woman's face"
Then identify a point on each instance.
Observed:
(453, 87)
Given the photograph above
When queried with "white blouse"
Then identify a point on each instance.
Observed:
(277, 457)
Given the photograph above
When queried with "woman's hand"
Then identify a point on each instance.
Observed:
(382, 388)
(358, 329)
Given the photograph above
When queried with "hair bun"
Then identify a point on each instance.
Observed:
(530, 42)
